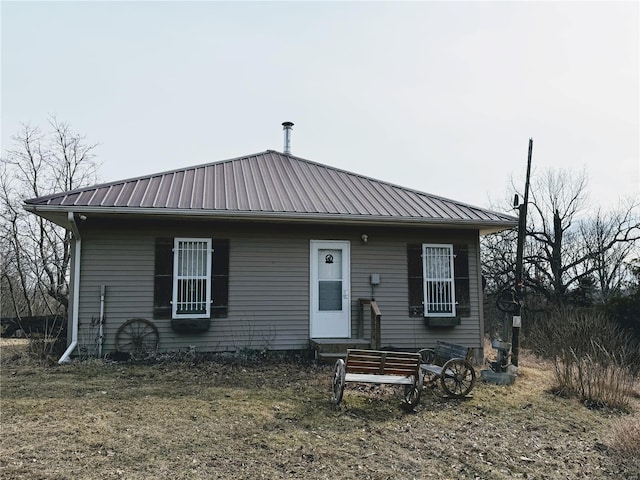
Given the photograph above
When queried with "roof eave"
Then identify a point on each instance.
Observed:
(57, 214)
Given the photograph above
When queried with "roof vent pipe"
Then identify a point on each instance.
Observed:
(287, 127)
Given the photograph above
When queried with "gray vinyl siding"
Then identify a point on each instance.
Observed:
(268, 289)
(268, 292)
(124, 263)
(268, 283)
(387, 256)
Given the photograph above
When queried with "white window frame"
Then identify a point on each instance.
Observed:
(434, 293)
(178, 249)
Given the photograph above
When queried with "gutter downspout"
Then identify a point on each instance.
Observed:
(76, 288)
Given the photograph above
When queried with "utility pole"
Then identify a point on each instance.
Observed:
(522, 233)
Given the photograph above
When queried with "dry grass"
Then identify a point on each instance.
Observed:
(225, 420)
(625, 436)
(13, 350)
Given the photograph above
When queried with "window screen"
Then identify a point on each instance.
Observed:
(192, 274)
(437, 268)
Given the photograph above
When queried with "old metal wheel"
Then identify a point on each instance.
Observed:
(137, 336)
(337, 386)
(458, 377)
(507, 301)
(427, 355)
(412, 393)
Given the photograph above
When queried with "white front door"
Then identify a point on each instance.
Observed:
(330, 289)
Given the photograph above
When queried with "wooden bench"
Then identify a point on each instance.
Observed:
(379, 367)
(451, 364)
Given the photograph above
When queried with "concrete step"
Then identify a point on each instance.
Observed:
(338, 345)
(329, 358)
(328, 350)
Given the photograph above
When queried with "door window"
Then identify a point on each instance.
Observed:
(329, 279)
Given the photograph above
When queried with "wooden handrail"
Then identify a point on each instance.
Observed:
(375, 316)
(375, 325)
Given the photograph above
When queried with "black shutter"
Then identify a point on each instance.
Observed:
(461, 279)
(220, 278)
(416, 289)
(163, 280)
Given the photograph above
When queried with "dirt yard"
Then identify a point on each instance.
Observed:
(251, 420)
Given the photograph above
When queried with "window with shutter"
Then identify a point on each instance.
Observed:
(438, 278)
(191, 278)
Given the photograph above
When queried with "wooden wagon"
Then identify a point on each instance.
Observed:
(451, 365)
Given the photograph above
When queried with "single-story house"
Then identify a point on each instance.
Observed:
(269, 251)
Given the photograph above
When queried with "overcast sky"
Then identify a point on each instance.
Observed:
(441, 97)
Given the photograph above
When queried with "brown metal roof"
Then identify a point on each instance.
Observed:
(271, 185)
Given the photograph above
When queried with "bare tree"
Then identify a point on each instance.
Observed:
(610, 241)
(36, 257)
(557, 199)
(566, 248)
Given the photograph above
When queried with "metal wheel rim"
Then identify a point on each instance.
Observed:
(457, 379)
(411, 395)
(137, 335)
(338, 382)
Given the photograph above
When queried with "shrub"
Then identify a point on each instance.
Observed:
(592, 357)
(597, 382)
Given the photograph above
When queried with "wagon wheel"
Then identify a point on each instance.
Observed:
(137, 335)
(458, 377)
(507, 301)
(412, 393)
(427, 355)
(337, 386)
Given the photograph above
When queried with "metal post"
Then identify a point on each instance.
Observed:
(103, 291)
(522, 227)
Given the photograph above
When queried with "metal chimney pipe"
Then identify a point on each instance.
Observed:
(287, 127)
